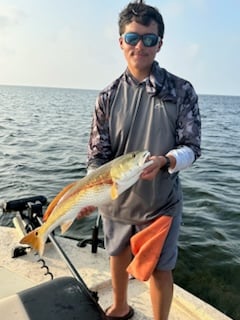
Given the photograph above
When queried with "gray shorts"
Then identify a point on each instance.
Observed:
(117, 237)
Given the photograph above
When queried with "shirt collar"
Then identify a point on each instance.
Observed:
(155, 81)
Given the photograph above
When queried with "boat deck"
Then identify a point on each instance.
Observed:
(17, 274)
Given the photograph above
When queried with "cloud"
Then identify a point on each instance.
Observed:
(10, 16)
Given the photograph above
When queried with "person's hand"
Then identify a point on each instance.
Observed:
(150, 172)
(86, 212)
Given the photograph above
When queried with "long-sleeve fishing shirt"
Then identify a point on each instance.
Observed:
(161, 115)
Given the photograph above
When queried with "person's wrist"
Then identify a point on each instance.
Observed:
(165, 162)
(168, 162)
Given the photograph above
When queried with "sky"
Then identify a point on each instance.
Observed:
(74, 43)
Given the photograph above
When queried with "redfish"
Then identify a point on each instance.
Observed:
(99, 187)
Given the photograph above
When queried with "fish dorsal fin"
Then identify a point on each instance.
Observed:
(114, 191)
(66, 225)
(55, 201)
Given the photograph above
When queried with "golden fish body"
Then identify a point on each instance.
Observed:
(102, 185)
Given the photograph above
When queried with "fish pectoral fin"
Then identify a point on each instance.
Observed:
(66, 225)
(114, 191)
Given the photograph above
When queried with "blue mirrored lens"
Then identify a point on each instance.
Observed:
(131, 38)
(149, 39)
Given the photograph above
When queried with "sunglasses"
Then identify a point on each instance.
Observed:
(148, 39)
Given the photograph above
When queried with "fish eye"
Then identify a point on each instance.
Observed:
(134, 155)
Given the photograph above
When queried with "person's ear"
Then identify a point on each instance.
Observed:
(121, 42)
(159, 45)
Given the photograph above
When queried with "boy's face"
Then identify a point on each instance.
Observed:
(139, 57)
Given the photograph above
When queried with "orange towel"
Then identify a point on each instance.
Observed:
(147, 246)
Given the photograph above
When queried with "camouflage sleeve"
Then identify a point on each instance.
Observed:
(99, 146)
(189, 121)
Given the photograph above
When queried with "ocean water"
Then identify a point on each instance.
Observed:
(43, 140)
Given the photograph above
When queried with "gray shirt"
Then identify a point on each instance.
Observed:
(158, 115)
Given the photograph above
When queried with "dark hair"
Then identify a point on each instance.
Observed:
(141, 13)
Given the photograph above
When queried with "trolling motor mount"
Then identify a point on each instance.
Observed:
(22, 204)
(29, 208)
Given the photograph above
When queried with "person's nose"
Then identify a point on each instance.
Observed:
(140, 44)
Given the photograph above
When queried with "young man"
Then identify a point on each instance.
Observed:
(146, 108)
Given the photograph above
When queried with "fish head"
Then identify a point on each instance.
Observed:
(126, 170)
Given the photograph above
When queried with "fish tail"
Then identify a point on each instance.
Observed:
(34, 240)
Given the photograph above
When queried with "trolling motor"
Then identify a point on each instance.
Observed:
(26, 207)
(23, 204)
